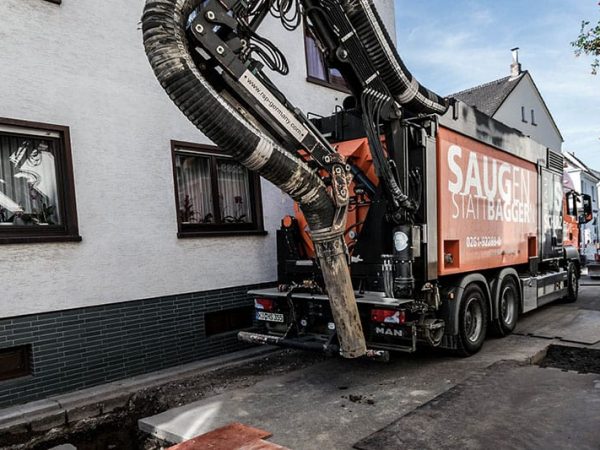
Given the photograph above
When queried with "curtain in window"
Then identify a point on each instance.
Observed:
(28, 188)
(234, 192)
(314, 58)
(195, 189)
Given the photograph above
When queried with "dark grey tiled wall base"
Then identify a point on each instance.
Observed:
(83, 347)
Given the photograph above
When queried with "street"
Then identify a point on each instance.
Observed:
(336, 403)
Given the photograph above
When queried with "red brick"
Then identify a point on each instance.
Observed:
(230, 437)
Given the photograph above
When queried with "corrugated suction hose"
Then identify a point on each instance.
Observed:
(402, 84)
(165, 42)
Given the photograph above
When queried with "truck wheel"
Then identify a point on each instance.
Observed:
(472, 321)
(508, 308)
(572, 284)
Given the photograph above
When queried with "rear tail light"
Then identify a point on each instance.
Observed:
(264, 304)
(388, 316)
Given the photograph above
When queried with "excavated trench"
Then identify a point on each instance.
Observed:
(118, 430)
(577, 359)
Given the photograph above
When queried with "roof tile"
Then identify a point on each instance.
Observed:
(488, 97)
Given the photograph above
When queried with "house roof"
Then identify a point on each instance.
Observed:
(578, 164)
(488, 97)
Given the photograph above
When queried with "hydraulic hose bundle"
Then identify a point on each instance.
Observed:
(237, 107)
(164, 24)
(377, 43)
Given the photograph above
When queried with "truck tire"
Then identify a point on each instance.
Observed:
(572, 283)
(508, 308)
(472, 321)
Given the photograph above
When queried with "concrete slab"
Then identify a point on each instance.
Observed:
(562, 322)
(508, 406)
(335, 403)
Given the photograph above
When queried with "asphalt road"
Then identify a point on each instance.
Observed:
(336, 403)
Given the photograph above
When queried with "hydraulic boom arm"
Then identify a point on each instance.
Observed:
(209, 58)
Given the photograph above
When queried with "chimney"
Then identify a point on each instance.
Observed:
(515, 67)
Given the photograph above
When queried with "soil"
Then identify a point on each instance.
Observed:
(119, 429)
(582, 360)
(358, 398)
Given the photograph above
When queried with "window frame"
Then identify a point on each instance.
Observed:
(523, 119)
(256, 227)
(311, 79)
(533, 122)
(68, 231)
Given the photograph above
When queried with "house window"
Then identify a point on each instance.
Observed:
(228, 320)
(523, 117)
(214, 193)
(14, 362)
(533, 118)
(37, 196)
(317, 69)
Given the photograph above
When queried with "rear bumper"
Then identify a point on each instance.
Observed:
(305, 344)
(593, 269)
(370, 298)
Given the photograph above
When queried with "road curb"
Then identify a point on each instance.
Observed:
(58, 410)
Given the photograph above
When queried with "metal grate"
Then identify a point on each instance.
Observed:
(555, 161)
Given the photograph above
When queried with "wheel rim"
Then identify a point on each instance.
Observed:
(507, 305)
(473, 319)
(574, 282)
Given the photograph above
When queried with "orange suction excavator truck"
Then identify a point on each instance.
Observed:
(485, 244)
(419, 220)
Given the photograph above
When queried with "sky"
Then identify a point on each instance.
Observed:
(454, 45)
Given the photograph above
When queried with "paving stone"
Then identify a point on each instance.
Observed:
(508, 406)
(563, 322)
(39, 407)
(48, 421)
(115, 402)
(16, 427)
(16, 414)
(81, 412)
(186, 422)
(79, 405)
(9, 416)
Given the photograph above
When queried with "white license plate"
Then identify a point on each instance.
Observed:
(269, 317)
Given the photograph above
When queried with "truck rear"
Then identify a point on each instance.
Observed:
(482, 245)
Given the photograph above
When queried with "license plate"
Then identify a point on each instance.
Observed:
(269, 317)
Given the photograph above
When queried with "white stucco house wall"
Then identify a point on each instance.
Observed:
(125, 293)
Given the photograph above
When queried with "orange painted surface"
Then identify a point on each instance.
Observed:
(487, 206)
(235, 436)
(358, 153)
(570, 228)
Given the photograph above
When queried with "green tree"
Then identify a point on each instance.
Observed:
(588, 43)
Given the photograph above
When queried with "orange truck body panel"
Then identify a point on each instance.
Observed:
(571, 229)
(487, 206)
(357, 152)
